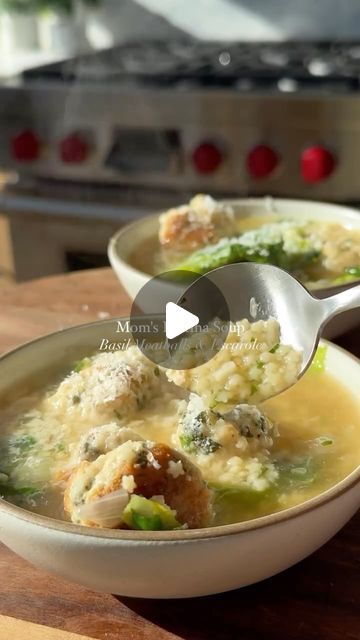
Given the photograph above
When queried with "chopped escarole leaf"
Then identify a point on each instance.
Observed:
(8, 490)
(195, 443)
(350, 274)
(353, 271)
(298, 472)
(319, 361)
(219, 255)
(324, 441)
(196, 427)
(82, 364)
(274, 348)
(16, 449)
(236, 503)
(283, 244)
(148, 515)
(23, 442)
(146, 523)
(241, 493)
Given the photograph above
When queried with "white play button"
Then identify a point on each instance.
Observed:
(178, 320)
(163, 317)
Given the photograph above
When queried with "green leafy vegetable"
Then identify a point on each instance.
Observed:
(82, 364)
(146, 523)
(243, 494)
(353, 271)
(194, 437)
(7, 490)
(236, 503)
(324, 441)
(187, 442)
(274, 348)
(319, 361)
(23, 442)
(148, 515)
(218, 255)
(350, 274)
(297, 472)
(283, 244)
(60, 447)
(194, 443)
(253, 388)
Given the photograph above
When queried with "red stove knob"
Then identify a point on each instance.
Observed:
(25, 146)
(207, 157)
(74, 149)
(262, 161)
(317, 163)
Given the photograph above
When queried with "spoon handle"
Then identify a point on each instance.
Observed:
(349, 299)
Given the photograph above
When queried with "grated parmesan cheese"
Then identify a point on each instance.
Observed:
(113, 385)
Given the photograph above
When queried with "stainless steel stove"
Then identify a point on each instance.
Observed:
(185, 116)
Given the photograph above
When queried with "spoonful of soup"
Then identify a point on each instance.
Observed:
(260, 293)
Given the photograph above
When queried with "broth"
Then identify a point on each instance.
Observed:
(318, 445)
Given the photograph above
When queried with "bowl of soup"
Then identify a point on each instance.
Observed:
(318, 243)
(133, 479)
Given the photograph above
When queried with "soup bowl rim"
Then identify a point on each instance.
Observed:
(183, 535)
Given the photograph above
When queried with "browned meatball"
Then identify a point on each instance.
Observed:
(203, 221)
(147, 469)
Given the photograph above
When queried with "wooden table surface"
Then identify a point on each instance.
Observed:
(317, 599)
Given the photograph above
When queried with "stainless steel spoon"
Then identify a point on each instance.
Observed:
(260, 291)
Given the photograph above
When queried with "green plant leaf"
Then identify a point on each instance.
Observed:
(319, 361)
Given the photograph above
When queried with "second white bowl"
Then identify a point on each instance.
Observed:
(131, 238)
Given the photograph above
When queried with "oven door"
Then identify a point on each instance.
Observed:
(59, 228)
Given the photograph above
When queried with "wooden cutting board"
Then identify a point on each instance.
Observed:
(12, 629)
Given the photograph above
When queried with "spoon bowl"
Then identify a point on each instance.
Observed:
(261, 291)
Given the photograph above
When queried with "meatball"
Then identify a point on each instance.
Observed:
(252, 424)
(197, 428)
(103, 439)
(146, 469)
(203, 431)
(203, 221)
(108, 385)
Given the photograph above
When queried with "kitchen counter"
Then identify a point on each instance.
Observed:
(318, 599)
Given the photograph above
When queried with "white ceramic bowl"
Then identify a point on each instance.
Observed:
(168, 564)
(130, 239)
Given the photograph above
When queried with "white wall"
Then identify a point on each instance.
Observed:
(122, 20)
(235, 19)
